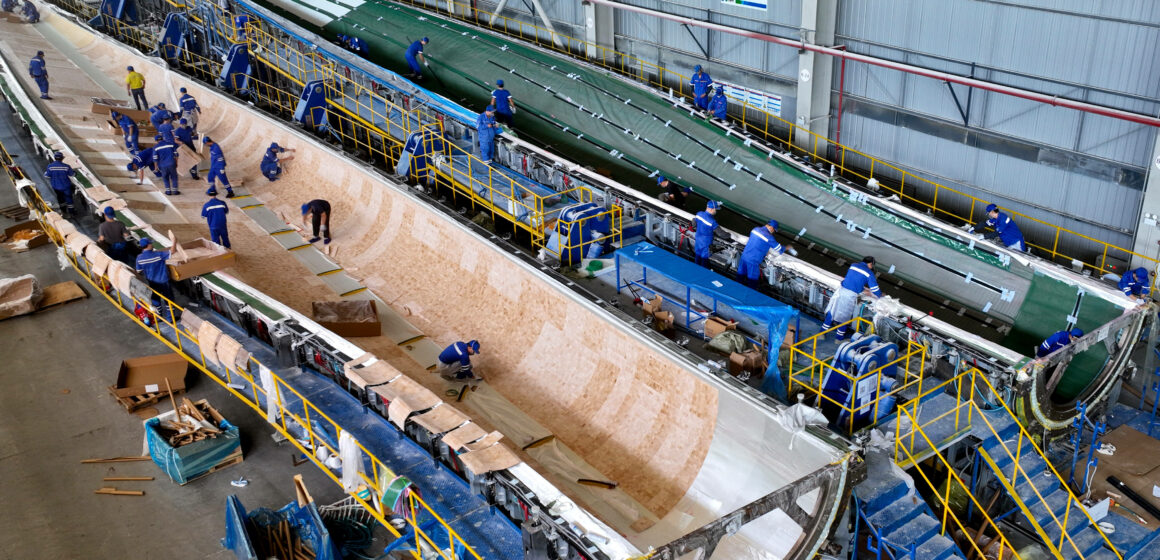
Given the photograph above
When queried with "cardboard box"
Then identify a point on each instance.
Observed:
(204, 256)
(790, 337)
(750, 361)
(103, 106)
(147, 374)
(663, 320)
(348, 318)
(716, 325)
(650, 307)
(33, 242)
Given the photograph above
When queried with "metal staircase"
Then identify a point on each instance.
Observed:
(898, 519)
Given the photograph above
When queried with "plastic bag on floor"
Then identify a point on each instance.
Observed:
(728, 342)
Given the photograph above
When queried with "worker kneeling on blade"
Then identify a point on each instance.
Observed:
(840, 309)
(1057, 341)
(455, 360)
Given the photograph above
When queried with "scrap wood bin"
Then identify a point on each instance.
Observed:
(189, 462)
(245, 531)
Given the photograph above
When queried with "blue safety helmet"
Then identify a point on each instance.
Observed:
(499, 83)
(1076, 333)
(182, 121)
(39, 53)
(274, 147)
(305, 208)
(110, 212)
(490, 109)
(697, 68)
(473, 346)
(426, 40)
(991, 208)
(130, 68)
(58, 156)
(773, 224)
(206, 140)
(145, 242)
(661, 179)
(182, 90)
(712, 205)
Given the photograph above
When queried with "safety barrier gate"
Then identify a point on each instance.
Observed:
(1010, 453)
(808, 369)
(302, 413)
(947, 203)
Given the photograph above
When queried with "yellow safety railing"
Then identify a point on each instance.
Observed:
(949, 204)
(78, 7)
(565, 245)
(808, 370)
(968, 387)
(140, 38)
(289, 418)
(204, 68)
(272, 96)
(949, 520)
(287, 59)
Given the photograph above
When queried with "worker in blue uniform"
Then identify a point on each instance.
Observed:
(217, 168)
(165, 160)
(8, 5)
(761, 242)
(672, 193)
(354, 44)
(165, 129)
(455, 360)
(158, 114)
(1134, 283)
(31, 14)
(214, 211)
(319, 212)
(505, 106)
(184, 135)
(1004, 228)
(1057, 341)
(129, 130)
(701, 83)
(190, 110)
(151, 263)
(59, 175)
(719, 105)
(39, 73)
(143, 159)
(487, 129)
(706, 222)
(414, 56)
(840, 308)
(272, 159)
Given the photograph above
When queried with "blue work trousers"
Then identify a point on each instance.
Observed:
(219, 174)
(749, 272)
(169, 177)
(42, 83)
(414, 64)
(131, 136)
(486, 147)
(220, 236)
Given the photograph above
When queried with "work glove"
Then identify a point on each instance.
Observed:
(425, 63)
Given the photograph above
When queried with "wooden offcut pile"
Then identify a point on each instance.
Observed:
(279, 541)
(198, 421)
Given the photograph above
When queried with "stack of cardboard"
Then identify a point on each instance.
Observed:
(745, 364)
(661, 320)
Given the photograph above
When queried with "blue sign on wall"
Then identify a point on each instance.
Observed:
(759, 4)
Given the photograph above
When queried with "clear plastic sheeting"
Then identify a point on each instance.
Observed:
(187, 462)
(19, 296)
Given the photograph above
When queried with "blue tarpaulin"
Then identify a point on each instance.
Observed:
(698, 293)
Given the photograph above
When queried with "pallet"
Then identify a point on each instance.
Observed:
(17, 212)
(135, 402)
(231, 460)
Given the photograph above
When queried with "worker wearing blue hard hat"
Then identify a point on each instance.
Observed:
(761, 242)
(39, 73)
(184, 134)
(672, 193)
(414, 56)
(158, 114)
(217, 168)
(319, 212)
(719, 105)
(353, 44)
(455, 360)
(215, 211)
(129, 130)
(31, 14)
(505, 106)
(8, 5)
(59, 175)
(135, 86)
(165, 160)
(1057, 341)
(152, 264)
(1004, 228)
(143, 159)
(487, 129)
(1134, 283)
(859, 277)
(701, 83)
(271, 161)
(706, 224)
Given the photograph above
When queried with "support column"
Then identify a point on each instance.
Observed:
(1148, 229)
(815, 73)
(598, 30)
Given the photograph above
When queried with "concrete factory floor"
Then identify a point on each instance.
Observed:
(55, 410)
(682, 451)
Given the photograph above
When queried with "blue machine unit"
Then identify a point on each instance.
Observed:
(172, 39)
(570, 232)
(121, 10)
(311, 109)
(235, 76)
(858, 358)
(415, 157)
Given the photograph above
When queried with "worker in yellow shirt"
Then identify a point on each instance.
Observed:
(135, 86)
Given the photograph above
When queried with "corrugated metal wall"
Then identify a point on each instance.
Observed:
(1078, 170)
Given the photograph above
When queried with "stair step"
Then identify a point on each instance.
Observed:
(1087, 540)
(896, 514)
(879, 492)
(938, 547)
(1030, 463)
(1105, 554)
(916, 530)
(1003, 424)
(1056, 502)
